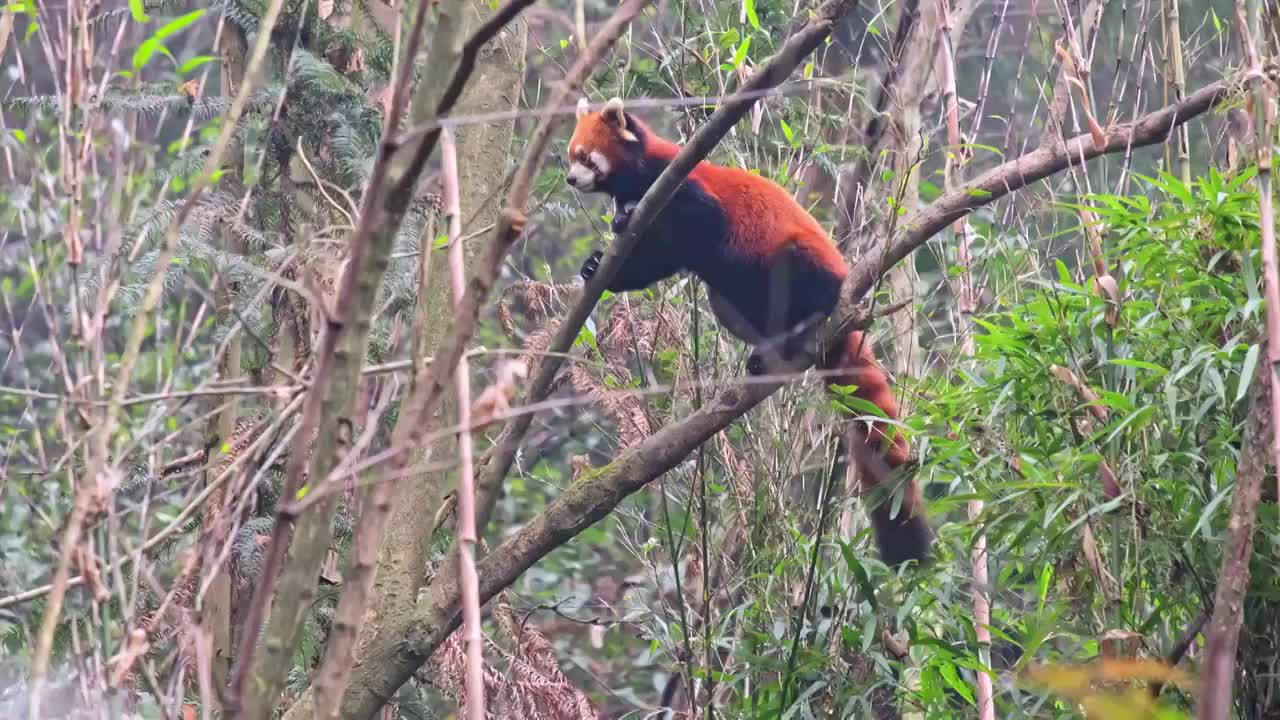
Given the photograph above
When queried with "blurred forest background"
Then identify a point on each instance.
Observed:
(254, 337)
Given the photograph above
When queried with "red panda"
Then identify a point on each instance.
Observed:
(771, 271)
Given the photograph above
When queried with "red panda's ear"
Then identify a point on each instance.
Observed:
(617, 119)
(583, 107)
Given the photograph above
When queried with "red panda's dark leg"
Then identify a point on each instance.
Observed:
(690, 220)
(802, 295)
(642, 268)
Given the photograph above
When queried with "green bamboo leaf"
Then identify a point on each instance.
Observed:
(149, 47)
(177, 24)
(948, 672)
(741, 53)
(138, 12)
(1246, 371)
(786, 130)
(194, 63)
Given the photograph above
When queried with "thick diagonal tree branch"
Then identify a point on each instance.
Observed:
(407, 641)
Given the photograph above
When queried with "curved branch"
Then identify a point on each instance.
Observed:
(1042, 162)
(1222, 637)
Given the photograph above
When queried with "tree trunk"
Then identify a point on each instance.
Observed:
(215, 610)
(483, 157)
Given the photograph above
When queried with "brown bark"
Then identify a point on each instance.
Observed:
(215, 612)
(482, 147)
(1218, 670)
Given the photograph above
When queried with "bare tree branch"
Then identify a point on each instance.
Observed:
(1035, 165)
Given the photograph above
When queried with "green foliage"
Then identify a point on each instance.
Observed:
(1172, 376)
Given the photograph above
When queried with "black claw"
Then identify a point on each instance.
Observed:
(620, 220)
(590, 265)
(755, 365)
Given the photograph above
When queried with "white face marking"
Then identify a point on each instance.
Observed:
(602, 163)
(582, 177)
(586, 175)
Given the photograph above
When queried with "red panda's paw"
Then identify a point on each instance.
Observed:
(590, 265)
(755, 365)
(621, 218)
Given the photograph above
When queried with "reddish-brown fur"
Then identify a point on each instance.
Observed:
(762, 222)
(762, 216)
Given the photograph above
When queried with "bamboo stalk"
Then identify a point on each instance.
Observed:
(967, 302)
(467, 537)
(1183, 147)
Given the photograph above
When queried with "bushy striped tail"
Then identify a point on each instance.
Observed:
(903, 535)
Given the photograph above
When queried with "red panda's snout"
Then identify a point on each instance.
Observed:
(587, 169)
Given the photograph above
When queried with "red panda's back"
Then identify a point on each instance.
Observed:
(763, 216)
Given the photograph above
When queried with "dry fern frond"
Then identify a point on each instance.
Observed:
(540, 303)
(538, 688)
(533, 685)
(737, 470)
(626, 409)
(538, 342)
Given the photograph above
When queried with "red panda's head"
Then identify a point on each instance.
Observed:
(602, 143)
